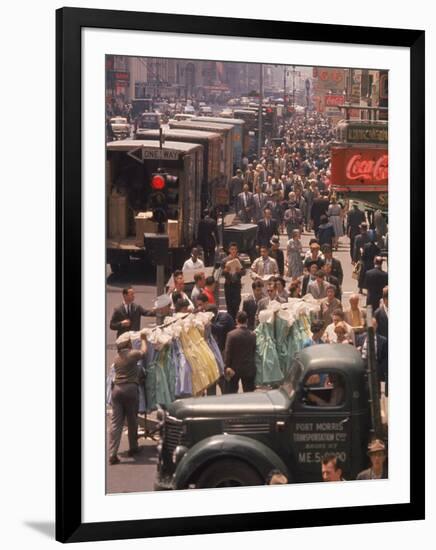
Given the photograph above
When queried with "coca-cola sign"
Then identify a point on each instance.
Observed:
(363, 167)
(334, 100)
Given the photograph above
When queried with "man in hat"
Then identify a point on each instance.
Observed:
(162, 306)
(377, 457)
(125, 395)
(354, 218)
(127, 316)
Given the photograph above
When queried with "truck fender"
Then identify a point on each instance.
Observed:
(213, 448)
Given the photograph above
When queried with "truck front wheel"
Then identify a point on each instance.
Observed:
(228, 473)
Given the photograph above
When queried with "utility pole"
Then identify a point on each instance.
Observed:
(259, 122)
(293, 87)
(374, 391)
(284, 85)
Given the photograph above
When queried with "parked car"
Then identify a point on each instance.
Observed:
(120, 127)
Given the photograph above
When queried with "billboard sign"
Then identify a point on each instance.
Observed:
(363, 168)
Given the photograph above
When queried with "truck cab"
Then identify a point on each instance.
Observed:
(237, 440)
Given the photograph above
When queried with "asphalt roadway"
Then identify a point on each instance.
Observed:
(137, 474)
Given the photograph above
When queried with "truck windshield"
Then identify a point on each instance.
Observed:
(292, 379)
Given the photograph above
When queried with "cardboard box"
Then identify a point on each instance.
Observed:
(117, 217)
(143, 224)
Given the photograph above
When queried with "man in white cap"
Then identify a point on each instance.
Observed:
(162, 306)
(377, 456)
(125, 395)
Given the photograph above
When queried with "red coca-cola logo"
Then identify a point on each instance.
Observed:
(367, 169)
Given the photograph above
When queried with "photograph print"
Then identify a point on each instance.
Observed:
(247, 299)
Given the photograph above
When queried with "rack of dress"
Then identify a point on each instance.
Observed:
(281, 333)
(182, 359)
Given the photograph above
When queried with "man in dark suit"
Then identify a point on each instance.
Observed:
(336, 266)
(239, 357)
(319, 208)
(259, 203)
(375, 281)
(370, 251)
(245, 205)
(355, 217)
(359, 244)
(127, 316)
(266, 228)
(382, 315)
(250, 304)
(308, 278)
(208, 237)
(360, 241)
(233, 270)
(221, 324)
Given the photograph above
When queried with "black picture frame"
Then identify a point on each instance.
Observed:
(69, 23)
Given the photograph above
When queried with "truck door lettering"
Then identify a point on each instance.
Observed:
(315, 458)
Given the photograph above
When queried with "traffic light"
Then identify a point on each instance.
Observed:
(164, 198)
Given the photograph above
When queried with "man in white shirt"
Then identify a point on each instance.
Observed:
(194, 261)
(330, 335)
(264, 265)
(199, 282)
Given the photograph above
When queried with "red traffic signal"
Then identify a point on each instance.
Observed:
(158, 182)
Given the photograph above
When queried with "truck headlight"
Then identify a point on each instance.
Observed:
(179, 453)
